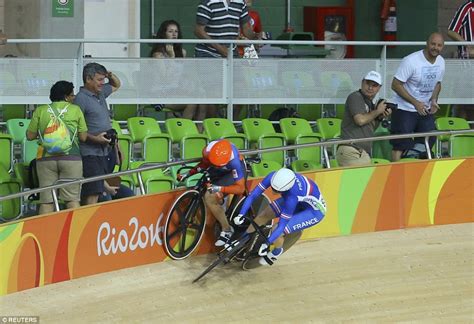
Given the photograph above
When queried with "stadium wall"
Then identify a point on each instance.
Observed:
(127, 233)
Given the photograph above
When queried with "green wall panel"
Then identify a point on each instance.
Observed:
(416, 20)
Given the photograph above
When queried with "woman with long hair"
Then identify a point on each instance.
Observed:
(170, 29)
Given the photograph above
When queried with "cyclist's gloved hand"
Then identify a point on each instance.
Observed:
(264, 249)
(214, 189)
(181, 177)
(239, 219)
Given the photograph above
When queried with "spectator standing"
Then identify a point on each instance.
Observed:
(417, 84)
(172, 73)
(255, 23)
(461, 29)
(60, 162)
(92, 100)
(222, 20)
(361, 119)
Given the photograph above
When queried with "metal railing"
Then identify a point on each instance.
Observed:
(154, 166)
(231, 74)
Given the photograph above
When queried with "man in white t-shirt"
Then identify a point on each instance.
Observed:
(417, 84)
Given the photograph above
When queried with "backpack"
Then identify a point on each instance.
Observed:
(56, 139)
(280, 113)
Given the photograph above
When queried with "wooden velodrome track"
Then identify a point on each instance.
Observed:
(422, 274)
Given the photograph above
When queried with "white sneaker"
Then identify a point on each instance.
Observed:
(270, 258)
(224, 237)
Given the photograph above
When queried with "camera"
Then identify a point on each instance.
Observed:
(389, 105)
(111, 134)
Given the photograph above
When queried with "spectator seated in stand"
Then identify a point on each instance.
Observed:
(170, 29)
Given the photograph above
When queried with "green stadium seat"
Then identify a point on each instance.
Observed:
(448, 124)
(294, 127)
(9, 209)
(29, 150)
(461, 145)
(329, 128)
(219, 128)
(264, 167)
(156, 146)
(17, 127)
(261, 134)
(185, 133)
(299, 131)
(125, 144)
(305, 166)
(6, 147)
(154, 181)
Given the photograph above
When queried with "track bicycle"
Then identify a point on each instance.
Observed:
(244, 249)
(186, 221)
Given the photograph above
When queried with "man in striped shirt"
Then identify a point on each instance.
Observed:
(221, 19)
(462, 28)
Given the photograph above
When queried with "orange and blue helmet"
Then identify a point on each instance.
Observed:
(218, 153)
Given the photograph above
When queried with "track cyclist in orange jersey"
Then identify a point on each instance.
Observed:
(300, 206)
(226, 168)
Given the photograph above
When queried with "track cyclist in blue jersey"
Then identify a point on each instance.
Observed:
(300, 206)
(226, 169)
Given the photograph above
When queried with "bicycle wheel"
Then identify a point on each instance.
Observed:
(184, 225)
(225, 257)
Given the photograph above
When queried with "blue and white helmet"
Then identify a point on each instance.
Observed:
(283, 180)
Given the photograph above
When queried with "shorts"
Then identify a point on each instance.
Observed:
(303, 217)
(49, 171)
(348, 155)
(406, 122)
(93, 166)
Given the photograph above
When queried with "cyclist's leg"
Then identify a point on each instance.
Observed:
(303, 219)
(263, 218)
(217, 208)
(217, 205)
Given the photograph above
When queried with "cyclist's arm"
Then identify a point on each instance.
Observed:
(237, 188)
(285, 216)
(203, 165)
(238, 174)
(256, 192)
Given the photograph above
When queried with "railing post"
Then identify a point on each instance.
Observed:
(229, 82)
(383, 62)
(55, 199)
(140, 183)
(79, 64)
(428, 148)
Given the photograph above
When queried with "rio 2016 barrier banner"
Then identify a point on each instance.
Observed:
(128, 233)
